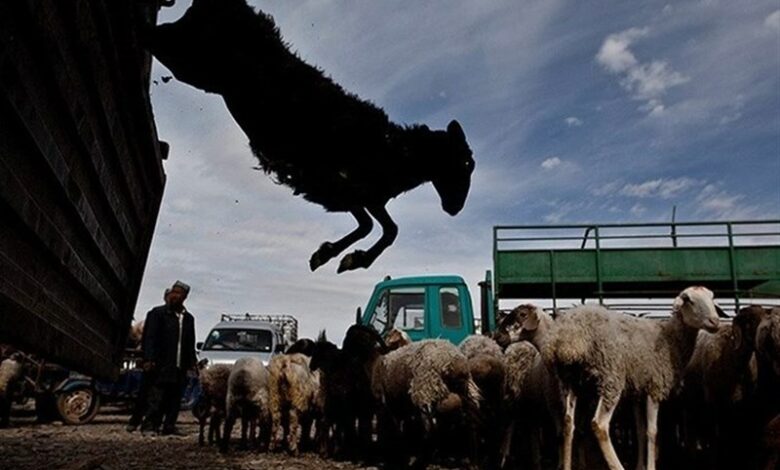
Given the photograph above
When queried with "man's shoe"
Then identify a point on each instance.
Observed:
(173, 432)
(131, 427)
(148, 431)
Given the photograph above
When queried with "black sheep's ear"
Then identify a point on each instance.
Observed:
(736, 330)
(455, 131)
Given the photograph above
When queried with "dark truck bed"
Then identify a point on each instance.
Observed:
(81, 178)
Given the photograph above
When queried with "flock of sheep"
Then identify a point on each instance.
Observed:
(518, 399)
(577, 389)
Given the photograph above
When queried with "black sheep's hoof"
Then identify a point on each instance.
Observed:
(321, 256)
(356, 259)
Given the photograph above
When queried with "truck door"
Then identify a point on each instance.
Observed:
(402, 308)
(447, 317)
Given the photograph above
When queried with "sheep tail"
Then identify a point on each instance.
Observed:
(473, 394)
(284, 379)
(471, 403)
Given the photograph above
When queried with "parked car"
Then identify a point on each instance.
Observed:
(258, 335)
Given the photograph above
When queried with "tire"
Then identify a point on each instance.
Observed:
(78, 406)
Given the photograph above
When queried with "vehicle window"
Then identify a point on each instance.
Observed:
(403, 308)
(239, 340)
(450, 307)
(379, 316)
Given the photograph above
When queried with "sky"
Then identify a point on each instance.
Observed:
(577, 112)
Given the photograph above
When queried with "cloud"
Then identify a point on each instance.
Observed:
(645, 81)
(637, 209)
(614, 53)
(717, 201)
(772, 20)
(550, 163)
(663, 188)
(572, 121)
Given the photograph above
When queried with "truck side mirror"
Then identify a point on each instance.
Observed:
(199, 345)
(358, 316)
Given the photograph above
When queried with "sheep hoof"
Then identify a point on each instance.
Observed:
(356, 259)
(321, 256)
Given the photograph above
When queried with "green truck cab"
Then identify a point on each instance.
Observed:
(428, 307)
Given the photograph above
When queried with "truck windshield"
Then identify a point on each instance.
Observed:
(234, 339)
(402, 308)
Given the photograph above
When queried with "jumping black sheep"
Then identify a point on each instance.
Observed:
(328, 145)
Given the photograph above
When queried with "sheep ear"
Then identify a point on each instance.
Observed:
(455, 131)
(531, 321)
(678, 302)
(737, 331)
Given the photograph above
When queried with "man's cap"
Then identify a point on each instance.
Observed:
(182, 286)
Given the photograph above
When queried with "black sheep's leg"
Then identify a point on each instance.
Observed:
(364, 259)
(328, 250)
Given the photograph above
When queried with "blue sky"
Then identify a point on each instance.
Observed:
(576, 112)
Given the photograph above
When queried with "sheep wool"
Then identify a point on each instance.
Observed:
(425, 372)
(10, 371)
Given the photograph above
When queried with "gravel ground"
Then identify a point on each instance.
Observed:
(104, 444)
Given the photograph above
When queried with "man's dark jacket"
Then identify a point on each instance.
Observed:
(161, 336)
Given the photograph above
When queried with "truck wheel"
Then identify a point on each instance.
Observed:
(78, 406)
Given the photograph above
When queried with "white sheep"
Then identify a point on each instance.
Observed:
(211, 405)
(533, 400)
(11, 370)
(135, 336)
(486, 364)
(718, 383)
(247, 398)
(295, 398)
(620, 353)
(419, 381)
(768, 358)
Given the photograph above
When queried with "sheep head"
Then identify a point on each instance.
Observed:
(361, 341)
(323, 355)
(453, 175)
(397, 338)
(745, 325)
(696, 308)
(522, 322)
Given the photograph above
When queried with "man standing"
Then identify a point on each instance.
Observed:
(169, 352)
(141, 400)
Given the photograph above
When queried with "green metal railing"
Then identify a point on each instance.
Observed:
(637, 260)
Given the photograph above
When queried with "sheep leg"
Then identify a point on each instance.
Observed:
(364, 259)
(294, 437)
(652, 431)
(229, 421)
(600, 426)
(506, 443)
(329, 250)
(214, 424)
(570, 404)
(253, 431)
(201, 432)
(641, 432)
(277, 427)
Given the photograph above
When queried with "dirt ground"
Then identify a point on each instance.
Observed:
(104, 444)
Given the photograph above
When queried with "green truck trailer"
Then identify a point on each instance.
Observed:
(624, 266)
